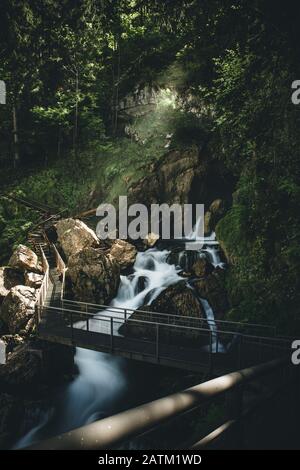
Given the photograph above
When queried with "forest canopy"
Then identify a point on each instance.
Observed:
(68, 66)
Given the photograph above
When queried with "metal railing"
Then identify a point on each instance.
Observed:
(164, 343)
(167, 318)
(159, 317)
(234, 336)
(124, 427)
(43, 290)
(61, 269)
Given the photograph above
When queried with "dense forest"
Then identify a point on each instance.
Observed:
(221, 73)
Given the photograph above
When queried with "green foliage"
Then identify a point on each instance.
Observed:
(230, 65)
(15, 221)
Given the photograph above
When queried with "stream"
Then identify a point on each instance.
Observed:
(106, 384)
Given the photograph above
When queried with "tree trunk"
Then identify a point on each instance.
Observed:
(15, 137)
(117, 89)
(59, 143)
(75, 131)
(113, 89)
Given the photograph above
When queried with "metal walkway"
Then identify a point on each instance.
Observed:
(196, 344)
(184, 342)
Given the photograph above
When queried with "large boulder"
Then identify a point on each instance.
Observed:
(74, 236)
(18, 308)
(9, 277)
(124, 253)
(201, 267)
(33, 280)
(178, 300)
(213, 289)
(151, 239)
(175, 300)
(25, 259)
(94, 276)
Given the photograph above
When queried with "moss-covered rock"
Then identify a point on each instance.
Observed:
(213, 289)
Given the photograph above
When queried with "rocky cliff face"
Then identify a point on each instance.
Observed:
(181, 176)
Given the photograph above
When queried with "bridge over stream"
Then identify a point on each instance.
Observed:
(196, 344)
(263, 379)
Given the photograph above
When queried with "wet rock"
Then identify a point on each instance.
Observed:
(9, 277)
(94, 276)
(22, 371)
(25, 259)
(208, 223)
(175, 300)
(178, 300)
(212, 288)
(33, 280)
(74, 236)
(124, 253)
(218, 208)
(201, 267)
(185, 259)
(141, 284)
(216, 211)
(151, 239)
(18, 308)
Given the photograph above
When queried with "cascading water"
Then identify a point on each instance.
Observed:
(101, 380)
(152, 274)
(98, 385)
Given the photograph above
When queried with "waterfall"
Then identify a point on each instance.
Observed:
(98, 385)
(217, 346)
(152, 273)
(101, 380)
(214, 256)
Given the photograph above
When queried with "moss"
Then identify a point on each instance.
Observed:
(231, 235)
